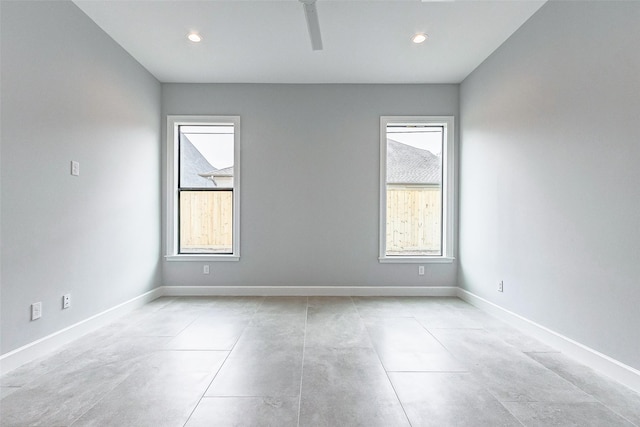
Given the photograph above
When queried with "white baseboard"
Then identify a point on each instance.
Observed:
(46, 345)
(430, 291)
(600, 362)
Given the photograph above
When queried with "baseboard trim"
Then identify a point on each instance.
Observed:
(46, 345)
(602, 363)
(430, 291)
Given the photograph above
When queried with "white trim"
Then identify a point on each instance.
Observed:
(417, 260)
(207, 257)
(448, 186)
(602, 363)
(421, 291)
(46, 345)
(173, 122)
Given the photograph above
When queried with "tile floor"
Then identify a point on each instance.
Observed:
(317, 361)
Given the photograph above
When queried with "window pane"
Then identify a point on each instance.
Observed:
(206, 156)
(206, 221)
(414, 190)
(206, 164)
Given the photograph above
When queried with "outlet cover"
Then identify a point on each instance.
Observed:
(75, 168)
(36, 310)
(501, 286)
(66, 301)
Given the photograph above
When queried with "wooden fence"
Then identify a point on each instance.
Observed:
(206, 221)
(414, 220)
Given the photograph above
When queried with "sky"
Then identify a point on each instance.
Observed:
(426, 139)
(217, 147)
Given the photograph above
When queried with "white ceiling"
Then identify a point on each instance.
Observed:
(263, 41)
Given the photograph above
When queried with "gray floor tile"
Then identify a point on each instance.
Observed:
(61, 396)
(162, 323)
(210, 333)
(270, 334)
(381, 307)
(335, 322)
(283, 306)
(545, 414)
(276, 373)
(217, 306)
(347, 387)
(330, 305)
(162, 391)
(245, 411)
(98, 348)
(615, 396)
(508, 373)
(35, 369)
(418, 306)
(6, 391)
(520, 340)
(122, 348)
(448, 399)
(404, 345)
(396, 361)
(400, 334)
(452, 314)
(135, 317)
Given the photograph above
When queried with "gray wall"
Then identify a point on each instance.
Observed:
(69, 92)
(310, 168)
(550, 199)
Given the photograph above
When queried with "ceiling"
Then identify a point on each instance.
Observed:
(263, 41)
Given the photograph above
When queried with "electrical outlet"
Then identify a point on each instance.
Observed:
(205, 269)
(36, 310)
(75, 168)
(421, 270)
(66, 301)
(501, 286)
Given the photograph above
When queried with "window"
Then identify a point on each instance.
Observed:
(416, 189)
(203, 165)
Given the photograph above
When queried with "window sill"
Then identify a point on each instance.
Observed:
(416, 260)
(203, 257)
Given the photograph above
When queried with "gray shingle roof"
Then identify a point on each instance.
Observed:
(192, 164)
(220, 177)
(218, 172)
(411, 165)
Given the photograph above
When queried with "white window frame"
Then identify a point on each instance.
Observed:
(173, 144)
(448, 189)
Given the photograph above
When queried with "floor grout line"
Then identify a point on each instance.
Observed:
(223, 362)
(304, 349)
(404, 411)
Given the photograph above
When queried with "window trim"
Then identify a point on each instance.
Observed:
(448, 190)
(173, 124)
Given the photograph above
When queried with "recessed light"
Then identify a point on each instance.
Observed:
(419, 38)
(195, 37)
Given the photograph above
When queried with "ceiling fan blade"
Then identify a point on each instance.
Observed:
(311, 13)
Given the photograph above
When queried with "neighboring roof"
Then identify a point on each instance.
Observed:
(192, 164)
(411, 165)
(218, 172)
